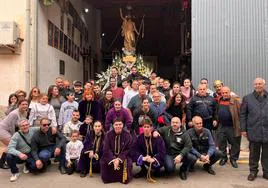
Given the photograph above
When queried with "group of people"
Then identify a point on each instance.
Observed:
(136, 119)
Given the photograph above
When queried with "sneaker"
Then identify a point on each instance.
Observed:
(25, 170)
(14, 177)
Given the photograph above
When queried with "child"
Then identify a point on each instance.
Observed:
(41, 110)
(67, 109)
(92, 152)
(86, 127)
(73, 151)
(74, 124)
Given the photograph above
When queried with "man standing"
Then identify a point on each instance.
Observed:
(254, 126)
(203, 145)
(135, 102)
(19, 150)
(204, 106)
(228, 111)
(131, 93)
(45, 144)
(178, 144)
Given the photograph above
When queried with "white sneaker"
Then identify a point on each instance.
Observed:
(14, 177)
(25, 170)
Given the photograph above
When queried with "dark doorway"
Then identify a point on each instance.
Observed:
(167, 33)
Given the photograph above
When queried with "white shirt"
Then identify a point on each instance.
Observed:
(128, 96)
(69, 127)
(73, 150)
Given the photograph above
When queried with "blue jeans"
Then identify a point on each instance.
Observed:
(187, 161)
(13, 160)
(213, 158)
(47, 153)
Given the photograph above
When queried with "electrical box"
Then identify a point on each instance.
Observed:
(9, 33)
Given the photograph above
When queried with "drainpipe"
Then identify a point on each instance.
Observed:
(27, 46)
(34, 42)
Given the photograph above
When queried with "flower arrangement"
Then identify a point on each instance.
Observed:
(123, 70)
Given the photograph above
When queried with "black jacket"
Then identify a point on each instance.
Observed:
(254, 117)
(203, 106)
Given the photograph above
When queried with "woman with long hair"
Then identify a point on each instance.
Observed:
(9, 125)
(88, 106)
(55, 99)
(175, 89)
(176, 107)
(106, 103)
(33, 97)
(144, 112)
(91, 154)
(187, 90)
(12, 103)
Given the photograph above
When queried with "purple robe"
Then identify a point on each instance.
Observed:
(84, 161)
(158, 151)
(92, 108)
(108, 174)
(113, 114)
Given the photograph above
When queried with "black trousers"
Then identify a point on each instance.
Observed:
(227, 135)
(70, 170)
(257, 150)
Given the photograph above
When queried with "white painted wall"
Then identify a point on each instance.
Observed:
(49, 57)
(12, 67)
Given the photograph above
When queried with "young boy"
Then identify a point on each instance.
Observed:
(67, 109)
(86, 127)
(73, 151)
(74, 124)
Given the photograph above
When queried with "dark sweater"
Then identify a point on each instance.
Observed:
(224, 114)
(43, 140)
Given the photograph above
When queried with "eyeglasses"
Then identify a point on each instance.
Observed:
(45, 125)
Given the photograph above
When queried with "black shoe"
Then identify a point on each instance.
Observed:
(209, 169)
(62, 170)
(251, 177)
(265, 176)
(140, 174)
(83, 174)
(183, 175)
(4, 166)
(222, 162)
(233, 163)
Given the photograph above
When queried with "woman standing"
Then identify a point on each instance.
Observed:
(8, 126)
(33, 97)
(144, 112)
(55, 99)
(187, 90)
(106, 103)
(12, 103)
(88, 106)
(175, 89)
(176, 107)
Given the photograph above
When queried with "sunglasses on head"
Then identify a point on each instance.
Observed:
(46, 125)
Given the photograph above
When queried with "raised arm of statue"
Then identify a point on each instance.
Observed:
(121, 14)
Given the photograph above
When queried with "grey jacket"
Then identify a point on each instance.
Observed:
(254, 117)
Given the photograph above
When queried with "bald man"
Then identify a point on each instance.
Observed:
(178, 144)
(228, 111)
(203, 145)
(204, 106)
(254, 125)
